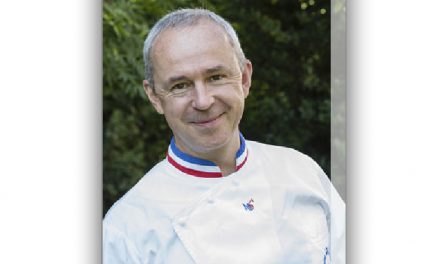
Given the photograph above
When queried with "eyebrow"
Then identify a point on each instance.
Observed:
(215, 69)
(178, 78)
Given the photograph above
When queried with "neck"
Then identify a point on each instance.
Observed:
(224, 157)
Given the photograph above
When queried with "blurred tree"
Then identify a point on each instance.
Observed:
(288, 43)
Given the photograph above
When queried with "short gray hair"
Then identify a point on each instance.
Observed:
(185, 18)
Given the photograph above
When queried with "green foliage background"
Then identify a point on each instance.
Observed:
(288, 43)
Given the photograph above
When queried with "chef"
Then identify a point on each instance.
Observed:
(217, 197)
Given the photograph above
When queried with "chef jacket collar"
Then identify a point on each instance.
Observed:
(200, 167)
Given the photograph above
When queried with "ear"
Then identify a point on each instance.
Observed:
(246, 77)
(152, 96)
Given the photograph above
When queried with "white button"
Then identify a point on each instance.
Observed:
(235, 183)
(182, 222)
(210, 200)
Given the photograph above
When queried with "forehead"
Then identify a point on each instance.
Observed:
(199, 45)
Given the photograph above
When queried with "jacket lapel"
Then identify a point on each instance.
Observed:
(231, 223)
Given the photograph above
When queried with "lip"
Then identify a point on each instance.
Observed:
(207, 122)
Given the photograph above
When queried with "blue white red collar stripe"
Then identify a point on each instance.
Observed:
(199, 167)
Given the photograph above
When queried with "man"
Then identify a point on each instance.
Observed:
(218, 198)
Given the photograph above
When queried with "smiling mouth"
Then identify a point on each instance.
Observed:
(207, 122)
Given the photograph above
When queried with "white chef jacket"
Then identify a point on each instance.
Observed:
(278, 207)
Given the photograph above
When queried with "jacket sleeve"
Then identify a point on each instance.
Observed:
(337, 220)
(337, 230)
(117, 248)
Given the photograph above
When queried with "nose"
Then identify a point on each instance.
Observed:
(202, 98)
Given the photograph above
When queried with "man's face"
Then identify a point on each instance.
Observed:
(199, 86)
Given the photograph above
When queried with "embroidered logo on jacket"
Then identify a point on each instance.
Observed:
(249, 206)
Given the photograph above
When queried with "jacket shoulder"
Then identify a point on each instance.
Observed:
(282, 155)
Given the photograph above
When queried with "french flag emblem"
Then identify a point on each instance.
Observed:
(249, 206)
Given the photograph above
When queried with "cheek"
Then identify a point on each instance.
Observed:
(231, 93)
(236, 108)
(174, 110)
(235, 99)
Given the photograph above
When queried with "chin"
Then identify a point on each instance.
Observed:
(209, 143)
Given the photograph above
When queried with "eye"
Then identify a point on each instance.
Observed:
(179, 86)
(179, 89)
(216, 77)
